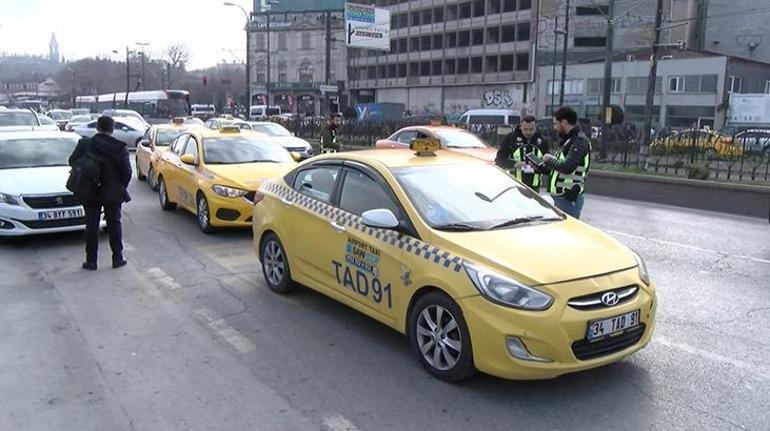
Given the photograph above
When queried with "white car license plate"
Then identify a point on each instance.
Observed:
(603, 327)
(60, 214)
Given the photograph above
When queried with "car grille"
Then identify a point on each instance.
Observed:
(57, 201)
(296, 149)
(585, 350)
(594, 300)
(48, 224)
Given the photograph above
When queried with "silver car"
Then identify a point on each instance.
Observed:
(127, 130)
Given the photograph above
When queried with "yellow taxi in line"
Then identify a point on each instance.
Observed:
(215, 173)
(475, 268)
(156, 140)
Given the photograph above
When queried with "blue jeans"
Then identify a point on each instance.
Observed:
(571, 208)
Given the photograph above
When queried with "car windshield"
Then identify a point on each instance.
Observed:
(166, 136)
(459, 139)
(242, 149)
(25, 118)
(37, 152)
(45, 120)
(471, 197)
(271, 129)
(61, 115)
(80, 119)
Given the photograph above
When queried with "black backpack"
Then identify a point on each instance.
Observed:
(85, 176)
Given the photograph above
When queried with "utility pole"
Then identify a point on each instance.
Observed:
(143, 44)
(607, 89)
(328, 69)
(564, 56)
(644, 148)
(267, 83)
(128, 77)
(248, 51)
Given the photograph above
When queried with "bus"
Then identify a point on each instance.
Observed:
(158, 104)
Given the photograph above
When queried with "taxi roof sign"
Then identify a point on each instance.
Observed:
(229, 129)
(425, 146)
(177, 120)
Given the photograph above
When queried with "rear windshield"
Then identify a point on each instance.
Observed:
(18, 119)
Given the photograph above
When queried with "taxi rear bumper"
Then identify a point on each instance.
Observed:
(555, 337)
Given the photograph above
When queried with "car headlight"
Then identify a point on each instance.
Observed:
(8, 199)
(228, 192)
(505, 291)
(309, 151)
(643, 274)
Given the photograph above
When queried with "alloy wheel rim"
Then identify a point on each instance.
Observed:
(274, 263)
(150, 177)
(162, 193)
(203, 213)
(439, 337)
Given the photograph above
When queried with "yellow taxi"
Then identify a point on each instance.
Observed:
(214, 174)
(474, 267)
(156, 140)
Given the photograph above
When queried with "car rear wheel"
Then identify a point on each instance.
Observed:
(204, 215)
(440, 337)
(165, 204)
(275, 265)
(139, 171)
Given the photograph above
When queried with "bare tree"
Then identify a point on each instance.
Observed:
(177, 55)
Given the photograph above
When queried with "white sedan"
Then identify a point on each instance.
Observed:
(127, 129)
(282, 136)
(33, 171)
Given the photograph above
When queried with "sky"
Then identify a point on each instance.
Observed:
(87, 28)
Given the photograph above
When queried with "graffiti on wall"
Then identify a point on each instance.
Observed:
(498, 99)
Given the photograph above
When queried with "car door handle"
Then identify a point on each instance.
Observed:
(287, 202)
(339, 228)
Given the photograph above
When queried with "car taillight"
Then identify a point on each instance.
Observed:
(258, 197)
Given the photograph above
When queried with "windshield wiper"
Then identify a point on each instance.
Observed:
(522, 220)
(456, 227)
(484, 197)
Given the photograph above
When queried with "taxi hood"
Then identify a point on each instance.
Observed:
(248, 176)
(544, 253)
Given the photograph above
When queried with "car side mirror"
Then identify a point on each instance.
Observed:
(125, 129)
(144, 143)
(296, 156)
(380, 218)
(188, 159)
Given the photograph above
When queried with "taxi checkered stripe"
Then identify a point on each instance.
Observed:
(344, 218)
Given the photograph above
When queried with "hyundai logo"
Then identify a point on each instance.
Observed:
(610, 298)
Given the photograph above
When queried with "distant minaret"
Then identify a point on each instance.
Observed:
(53, 49)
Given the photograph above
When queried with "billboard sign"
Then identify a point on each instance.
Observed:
(749, 109)
(367, 27)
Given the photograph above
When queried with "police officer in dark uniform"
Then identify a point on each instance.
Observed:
(569, 167)
(512, 155)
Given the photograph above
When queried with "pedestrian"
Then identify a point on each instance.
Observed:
(569, 167)
(111, 192)
(329, 142)
(523, 141)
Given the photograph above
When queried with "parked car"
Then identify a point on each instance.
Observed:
(80, 111)
(282, 136)
(127, 129)
(490, 116)
(754, 141)
(77, 120)
(125, 113)
(61, 116)
(452, 138)
(33, 197)
(47, 122)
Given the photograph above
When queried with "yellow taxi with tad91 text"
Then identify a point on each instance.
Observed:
(215, 174)
(156, 140)
(475, 268)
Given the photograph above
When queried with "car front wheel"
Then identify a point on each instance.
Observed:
(440, 337)
(165, 204)
(204, 215)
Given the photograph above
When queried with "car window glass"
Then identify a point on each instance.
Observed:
(147, 134)
(179, 144)
(406, 137)
(317, 182)
(92, 125)
(192, 148)
(361, 193)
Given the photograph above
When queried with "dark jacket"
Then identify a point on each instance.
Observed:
(574, 146)
(329, 137)
(513, 141)
(116, 167)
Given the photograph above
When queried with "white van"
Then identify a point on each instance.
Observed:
(490, 116)
(203, 111)
(263, 112)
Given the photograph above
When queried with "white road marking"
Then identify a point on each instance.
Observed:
(338, 423)
(754, 370)
(163, 279)
(687, 246)
(239, 342)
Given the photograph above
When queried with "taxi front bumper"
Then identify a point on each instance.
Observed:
(557, 336)
(230, 212)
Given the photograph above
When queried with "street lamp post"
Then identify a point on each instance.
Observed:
(143, 44)
(128, 78)
(248, 51)
(564, 58)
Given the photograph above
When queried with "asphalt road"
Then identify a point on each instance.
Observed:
(188, 337)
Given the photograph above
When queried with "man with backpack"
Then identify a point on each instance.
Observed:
(100, 174)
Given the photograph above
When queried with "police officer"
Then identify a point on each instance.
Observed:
(329, 142)
(525, 139)
(569, 167)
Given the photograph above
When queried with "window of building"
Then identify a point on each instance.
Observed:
(639, 85)
(522, 31)
(590, 41)
(451, 40)
(700, 83)
(371, 73)
(425, 68)
(465, 10)
(427, 16)
(414, 44)
(477, 36)
(306, 44)
(522, 61)
(260, 77)
(394, 23)
(491, 66)
(509, 5)
(381, 72)
(675, 84)
(464, 38)
(478, 8)
(596, 86)
(767, 87)
(393, 46)
(476, 65)
(305, 71)
(508, 33)
(282, 41)
(449, 66)
(404, 20)
(425, 43)
(415, 19)
(493, 35)
(402, 70)
(436, 68)
(451, 12)
(414, 69)
(525, 4)
(571, 86)
(735, 84)
(391, 71)
(438, 41)
(402, 46)
(261, 42)
(462, 66)
(506, 63)
(438, 14)
(592, 10)
(493, 7)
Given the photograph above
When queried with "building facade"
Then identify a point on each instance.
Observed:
(448, 56)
